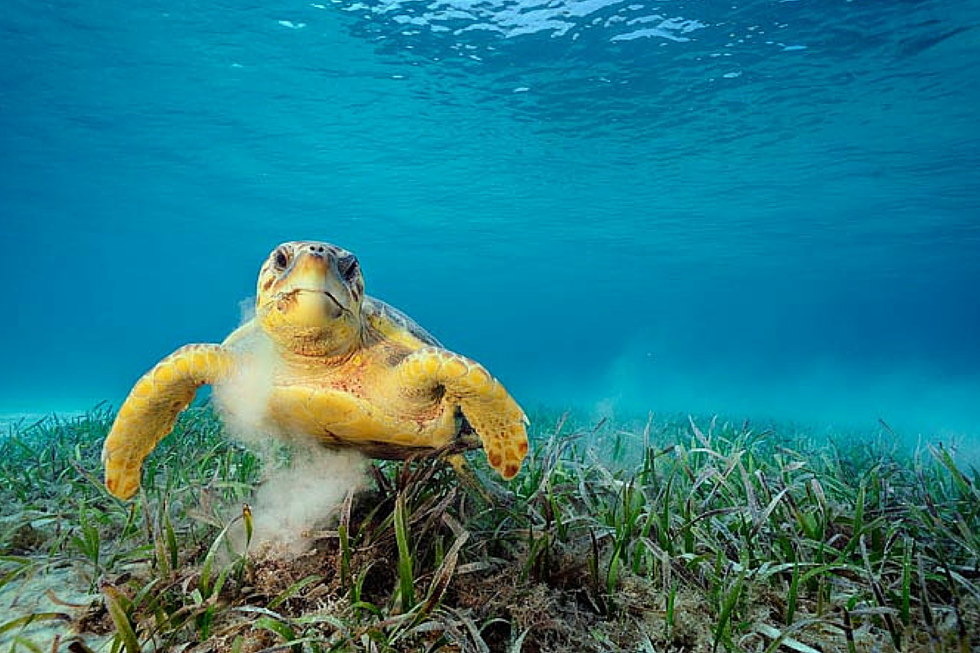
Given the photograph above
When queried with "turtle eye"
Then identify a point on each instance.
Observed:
(348, 267)
(281, 259)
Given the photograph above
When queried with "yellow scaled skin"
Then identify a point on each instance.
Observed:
(350, 371)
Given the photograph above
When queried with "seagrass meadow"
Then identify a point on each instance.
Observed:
(661, 535)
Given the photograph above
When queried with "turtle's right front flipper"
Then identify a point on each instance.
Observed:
(151, 409)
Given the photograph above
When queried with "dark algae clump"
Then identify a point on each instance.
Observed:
(670, 535)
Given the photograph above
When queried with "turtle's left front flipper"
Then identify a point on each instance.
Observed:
(497, 419)
(151, 409)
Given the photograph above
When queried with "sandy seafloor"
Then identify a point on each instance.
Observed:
(46, 590)
(63, 589)
(33, 593)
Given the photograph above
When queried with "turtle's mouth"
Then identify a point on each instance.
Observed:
(315, 300)
(295, 292)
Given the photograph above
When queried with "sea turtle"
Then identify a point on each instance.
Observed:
(349, 370)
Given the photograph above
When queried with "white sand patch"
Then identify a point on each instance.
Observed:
(35, 593)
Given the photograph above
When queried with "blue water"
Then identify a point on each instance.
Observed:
(763, 209)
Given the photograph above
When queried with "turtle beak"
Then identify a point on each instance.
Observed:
(315, 281)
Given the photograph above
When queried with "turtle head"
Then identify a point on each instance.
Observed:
(309, 298)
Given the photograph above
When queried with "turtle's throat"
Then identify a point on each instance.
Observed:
(318, 346)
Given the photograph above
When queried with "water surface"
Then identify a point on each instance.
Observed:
(754, 208)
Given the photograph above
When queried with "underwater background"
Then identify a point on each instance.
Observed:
(758, 209)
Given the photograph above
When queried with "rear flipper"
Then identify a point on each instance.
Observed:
(151, 409)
